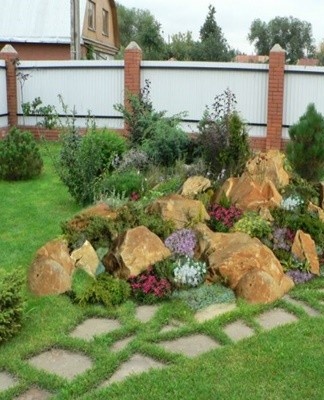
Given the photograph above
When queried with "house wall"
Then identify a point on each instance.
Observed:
(39, 51)
(3, 97)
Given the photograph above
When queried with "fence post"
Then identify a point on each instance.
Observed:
(275, 97)
(9, 54)
(132, 71)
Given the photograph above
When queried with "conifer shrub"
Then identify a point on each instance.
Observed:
(305, 151)
(20, 158)
(11, 303)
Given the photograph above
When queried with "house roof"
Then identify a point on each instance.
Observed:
(49, 23)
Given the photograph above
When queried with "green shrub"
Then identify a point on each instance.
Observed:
(305, 151)
(204, 295)
(84, 159)
(224, 139)
(11, 303)
(121, 183)
(254, 225)
(19, 156)
(106, 290)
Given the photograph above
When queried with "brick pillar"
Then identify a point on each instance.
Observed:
(275, 97)
(132, 70)
(9, 54)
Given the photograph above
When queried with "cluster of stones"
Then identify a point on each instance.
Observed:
(248, 266)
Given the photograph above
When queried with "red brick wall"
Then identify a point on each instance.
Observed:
(11, 57)
(39, 51)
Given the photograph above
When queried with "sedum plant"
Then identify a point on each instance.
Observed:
(254, 225)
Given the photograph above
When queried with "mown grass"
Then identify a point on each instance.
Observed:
(285, 363)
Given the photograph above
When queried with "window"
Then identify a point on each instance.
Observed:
(105, 22)
(91, 15)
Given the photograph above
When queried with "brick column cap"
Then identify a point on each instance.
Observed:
(133, 46)
(277, 49)
(8, 51)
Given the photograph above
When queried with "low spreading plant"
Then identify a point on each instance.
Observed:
(20, 158)
(223, 218)
(122, 183)
(189, 272)
(148, 287)
(300, 276)
(182, 242)
(254, 225)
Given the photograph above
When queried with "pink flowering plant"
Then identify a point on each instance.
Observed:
(182, 242)
(223, 218)
(148, 287)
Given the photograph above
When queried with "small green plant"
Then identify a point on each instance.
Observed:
(305, 150)
(121, 183)
(254, 225)
(106, 290)
(11, 303)
(224, 138)
(50, 118)
(20, 158)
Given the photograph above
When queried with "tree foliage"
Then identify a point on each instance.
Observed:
(293, 35)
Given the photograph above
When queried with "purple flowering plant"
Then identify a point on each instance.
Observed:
(283, 238)
(299, 276)
(182, 242)
(223, 218)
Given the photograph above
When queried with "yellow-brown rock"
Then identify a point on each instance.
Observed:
(258, 286)
(268, 165)
(133, 252)
(248, 194)
(180, 210)
(195, 185)
(51, 270)
(86, 258)
(304, 248)
(316, 210)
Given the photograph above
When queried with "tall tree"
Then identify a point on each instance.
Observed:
(212, 45)
(320, 53)
(293, 35)
(141, 26)
(182, 46)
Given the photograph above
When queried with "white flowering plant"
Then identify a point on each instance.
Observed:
(189, 272)
(292, 203)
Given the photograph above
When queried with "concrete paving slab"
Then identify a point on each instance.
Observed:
(61, 362)
(309, 310)
(190, 346)
(34, 394)
(145, 313)
(121, 344)
(135, 365)
(238, 330)
(92, 327)
(7, 381)
(171, 326)
(274, 318)
(213, 311)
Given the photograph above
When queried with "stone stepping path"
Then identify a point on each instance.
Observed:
(60, 362)
(94, 327)
(68, 365)
(309, 310)
(135, 365)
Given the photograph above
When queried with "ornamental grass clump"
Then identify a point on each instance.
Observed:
(189, 272)
(223, 218)
(182, 242)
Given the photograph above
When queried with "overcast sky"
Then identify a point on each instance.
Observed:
(233, 16)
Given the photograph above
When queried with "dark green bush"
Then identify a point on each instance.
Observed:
(224, 139)
(19, 156)
(84, 159)
(106, 290)
(305, 151)
(11, 303)
(121, 183)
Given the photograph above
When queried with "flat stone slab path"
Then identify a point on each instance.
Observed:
(68, 364)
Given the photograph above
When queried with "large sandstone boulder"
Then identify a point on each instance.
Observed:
(304, 248)
(51, 270)
(86, 258)
(134, 251)
(195, 185)
(180, 210)
(231, 256)
(248, 194)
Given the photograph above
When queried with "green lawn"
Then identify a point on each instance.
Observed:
(285, 363)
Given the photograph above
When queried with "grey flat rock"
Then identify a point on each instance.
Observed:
(121, 344)
(94, 327)
(34, 394)
(274, 318)
(145, 313)
(60, 362)
(190, 346)
(238, 330)
(135, 365)
(7, 381)
(213, 311)
(309, 310)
